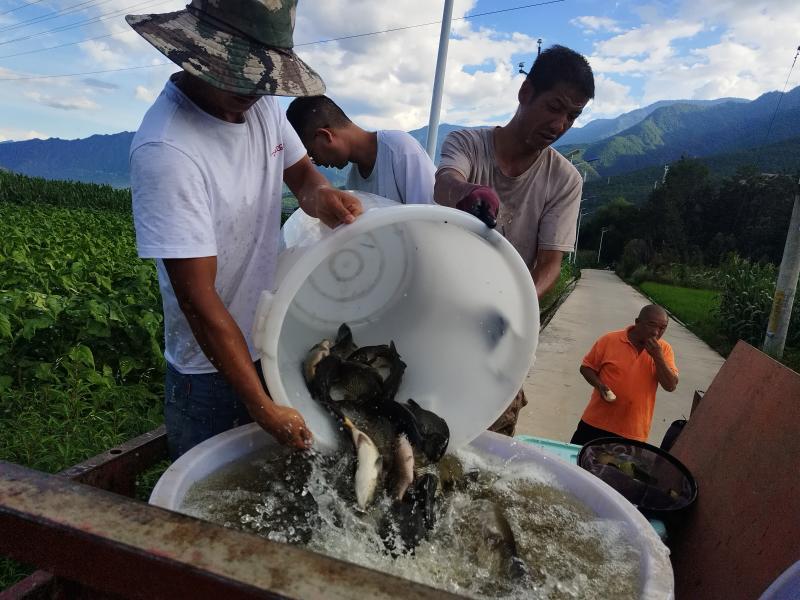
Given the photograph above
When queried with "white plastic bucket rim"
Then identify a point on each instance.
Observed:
(656, 577)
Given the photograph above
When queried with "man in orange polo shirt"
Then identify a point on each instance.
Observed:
(624, 368)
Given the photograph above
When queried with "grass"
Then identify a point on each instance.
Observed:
(696, 308)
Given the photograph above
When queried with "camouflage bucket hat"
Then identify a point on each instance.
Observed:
(240, 46)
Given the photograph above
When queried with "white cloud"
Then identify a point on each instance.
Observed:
(11, 134)
(62, 103)
(610, 100)
(103, 55)
(590, 24)
(386, 81)
(147, 94)
(653, 41)
(705, 50)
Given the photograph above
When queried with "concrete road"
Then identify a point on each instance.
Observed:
(556, 391)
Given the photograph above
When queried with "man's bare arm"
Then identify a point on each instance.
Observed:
(317, 197)
(593, 379)
(450, 187)
(664, 373)
(547, 270)
(222, 341)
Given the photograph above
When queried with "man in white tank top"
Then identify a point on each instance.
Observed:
(388, 163)
(511, 178)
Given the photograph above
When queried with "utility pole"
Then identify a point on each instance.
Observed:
(438, 81)
(786, 286)
(577, 235)
(600, 249)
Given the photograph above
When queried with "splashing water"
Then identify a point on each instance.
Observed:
(307, 499)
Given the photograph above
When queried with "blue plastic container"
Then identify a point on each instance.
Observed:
(569, 453)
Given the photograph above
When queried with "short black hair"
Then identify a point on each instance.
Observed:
(558, 64)
(310, 113)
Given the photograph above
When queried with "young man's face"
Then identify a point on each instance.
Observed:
(326, 150)
(546, 116)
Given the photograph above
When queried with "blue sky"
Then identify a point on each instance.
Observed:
(641, 52)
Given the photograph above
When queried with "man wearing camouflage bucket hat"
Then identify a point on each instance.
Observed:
(208, 165)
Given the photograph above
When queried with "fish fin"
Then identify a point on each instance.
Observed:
(344, 334)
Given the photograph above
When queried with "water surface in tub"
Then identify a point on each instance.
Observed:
(307, 499)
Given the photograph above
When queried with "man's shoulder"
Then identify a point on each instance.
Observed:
(400, 141)
(618, 336)
(474, 134)
(561, 165)
(473, 142)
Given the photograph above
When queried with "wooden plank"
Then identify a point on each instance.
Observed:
(742, 444)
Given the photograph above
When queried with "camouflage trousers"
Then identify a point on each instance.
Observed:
(507, 422)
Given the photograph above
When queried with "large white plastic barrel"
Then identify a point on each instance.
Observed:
(455, 297)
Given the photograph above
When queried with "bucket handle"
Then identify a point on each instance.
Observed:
(260, 322)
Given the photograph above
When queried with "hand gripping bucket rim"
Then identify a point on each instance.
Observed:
(303, 257)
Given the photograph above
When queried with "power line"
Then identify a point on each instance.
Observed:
(778, 106)
(21, 6)
(323, 41)
(86, 72)
(97, 19)
(54, 15)
(91, 39)
(483, 14)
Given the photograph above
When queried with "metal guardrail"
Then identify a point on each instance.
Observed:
(94, 543)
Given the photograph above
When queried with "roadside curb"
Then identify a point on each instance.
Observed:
(553, 309)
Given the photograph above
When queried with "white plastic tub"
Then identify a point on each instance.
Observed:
(455, 297)
(656, 577)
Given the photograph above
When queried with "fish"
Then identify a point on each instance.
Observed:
(359, 384)
(403, 420)
(496, 533)
(403, 466)
(425, 493)
(344, 345)
(314, 357)
(370, 465)
(412, 517)
(433, 429)
(326, 374)
(386, 360)
(493, 327)
(451, 473)
(628, 467)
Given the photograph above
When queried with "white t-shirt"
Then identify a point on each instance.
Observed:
(402, 171)
(206, 187)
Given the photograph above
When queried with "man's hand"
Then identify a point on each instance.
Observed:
(481, 202)
(334, 206)
(284, 423)
(316, 196)
(653, 348)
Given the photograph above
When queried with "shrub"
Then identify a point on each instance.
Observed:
(635, 254)
(746, 299)
(640, 275)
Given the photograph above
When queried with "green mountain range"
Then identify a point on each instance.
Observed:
(599, 129)
(635, 186)
(654, 136)
(694, 130)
